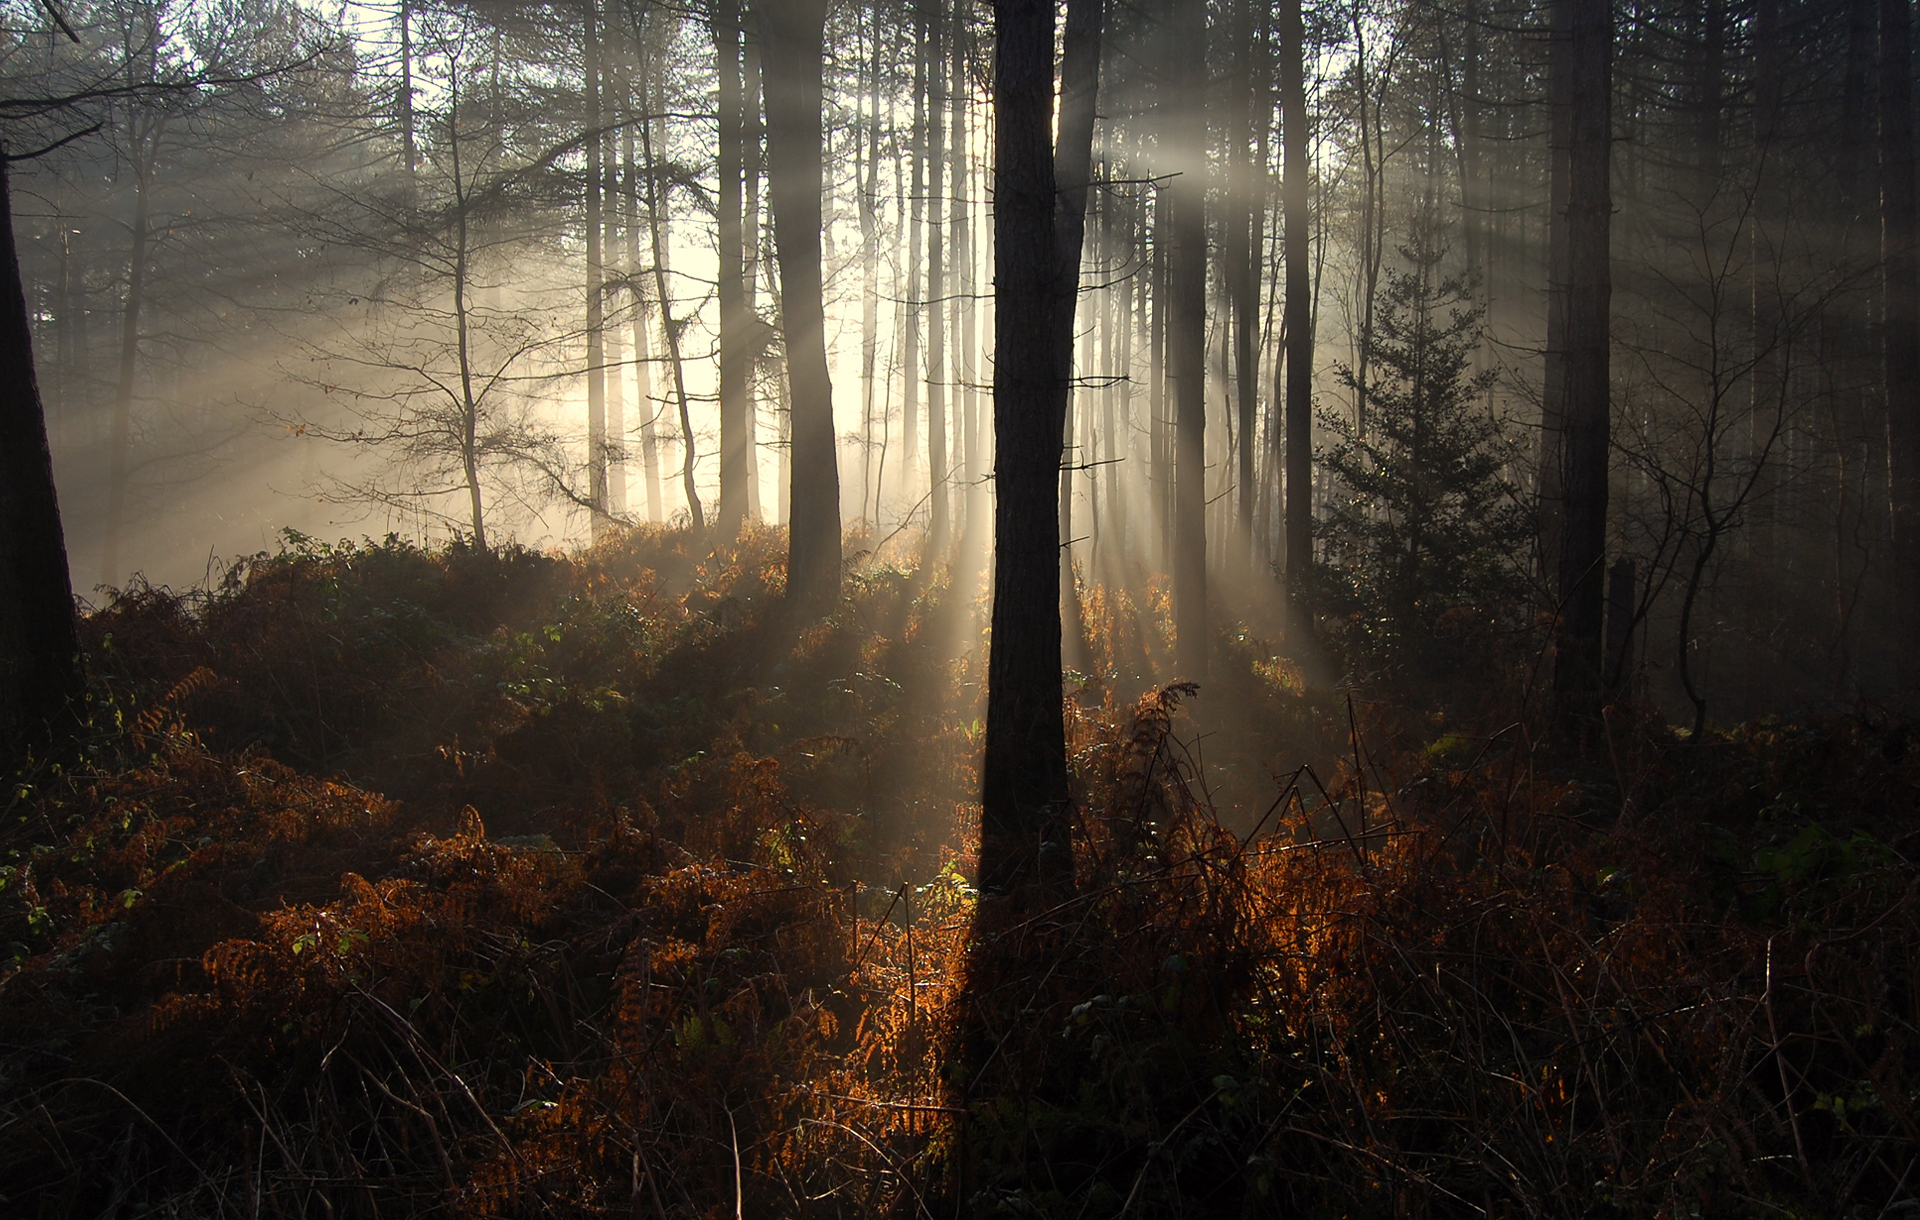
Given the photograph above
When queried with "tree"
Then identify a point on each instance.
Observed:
(1430, 522)
(1578, 678)
(1039, 217)
(419, 373)
(42, 683)
(1186, 336)
(1900, 246)
(794, 35)
(736, 316)
(1299, 307)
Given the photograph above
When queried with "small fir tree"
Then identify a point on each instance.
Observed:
(1425, 524)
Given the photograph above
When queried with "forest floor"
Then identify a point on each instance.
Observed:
(408, 882)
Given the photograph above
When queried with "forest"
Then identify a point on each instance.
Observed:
(1027, 608)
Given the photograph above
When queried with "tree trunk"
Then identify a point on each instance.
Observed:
(1186, 338)
(1901, 352)
(936, 297)
(145, 151)
(1578, 663)
(596, 283)
(1550, 473)
(42, 682)
(911, 308)
(642, 346)
(794, 33)
(868, 173)
(1024, 769)
(1299, 315)
(669, 328)
(1242, 258)
(736, 364)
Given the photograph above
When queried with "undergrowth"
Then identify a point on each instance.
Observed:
(410, 882)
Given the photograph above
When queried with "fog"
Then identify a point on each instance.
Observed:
(299, 250)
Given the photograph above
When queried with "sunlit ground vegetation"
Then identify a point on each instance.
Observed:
(408, 882)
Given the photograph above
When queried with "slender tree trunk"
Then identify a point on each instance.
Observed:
(1073, 179)
(596, 282)
(1901, 351)
(736, 366)
(146, 148)
(794, 32)
(1577, 676)
(670, 329)
(936, 295)
(1298, 322)
(962, 327)
(642, 346)
(409, 150)
(1186, 339)
(753, 162)
(1242, 258)
(1159, 429)
(916, 252)
(42, 682)
(869, 179)
(1551, 472)
(469, 402)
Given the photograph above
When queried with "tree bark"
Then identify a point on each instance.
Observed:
(1242, 259)
(1298, 321)
(1577, 676)
(1550, 473)
(1024, 772)
(596, 282)
(794, 33)
(736, 362)
(42, 683)
(1299, 312)
(936, 296)
(1901, 350)
(1186, 338)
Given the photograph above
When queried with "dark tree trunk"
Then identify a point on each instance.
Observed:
(1550, 474)
(794, 34)
(736, 362)
(1242, 261)
(596, 282)
(1577, 675)
(42, 685)
(1036, 258)
(936, 297)
(1299, 315)
(1186, 337)
(1902, 344)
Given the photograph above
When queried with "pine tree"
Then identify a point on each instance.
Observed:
(1428, 521)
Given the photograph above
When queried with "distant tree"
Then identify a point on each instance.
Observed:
(794, 35)
(736, 313)
(1186, 335)
(423, 370)
(1299, 297)
(1428, 521)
